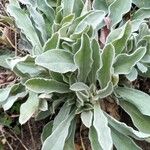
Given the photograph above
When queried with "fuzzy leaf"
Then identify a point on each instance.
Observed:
(83, 59)
(105, 72)
(100, 123)
(57, 60)
(61, 116)
(52, 43)
(87, 117)
(125, 62)
(57, 139)
(119, 37)
(141, 3)
(140, 121)
(123, 142)
(91, 20)
(28, 108)
(96, 56)
(41, 85)
(122, 8)
(138, 98)
(47, 130)
(100, 94)
(25, 24)
(94, 139)
(126, 130)
(79, 86)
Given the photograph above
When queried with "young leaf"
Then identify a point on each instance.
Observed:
(100, 123)
(136, 97)
(79, 86)
(100, 94)
(105, 72)
(28, 108)
(124, 67)
(56, 60)
(83, 59)
(87, 118)
(96, 56)
(42, 85)
(52, 43)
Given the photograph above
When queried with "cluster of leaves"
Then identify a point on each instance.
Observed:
(65, 68)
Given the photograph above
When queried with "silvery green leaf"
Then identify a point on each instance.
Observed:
(52, 43)
(56, 60)
(83, 58)
(142, 67)
(100, 124)
(87, 118)
(75, 23)
(56, 76)
(24, 23)
(41, 85)
(123, 142)
(91, 20)
(82, 97)
(25, 66)
(117, 14)
(67, 7)
(59, 135)
(140, 121)
(79, 86)
(70, 143)
(78, 7)
(43, 105)
(72, 6)
(138, 98)
(132, 75)
(61, 116)
(4, 55)
(28, 108)
(96, 56)
(124, 67)
(105, 72)
(94, 139)
(47, 130)
(5, 92)
(142, 13)
(141, 3)
(67, 19)
(100, 94)
(119, 37)
(100, 5)
(86, 8)
(126, 130)
(12, 99)
(39, 22)
(138, 18)
(46, 9)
